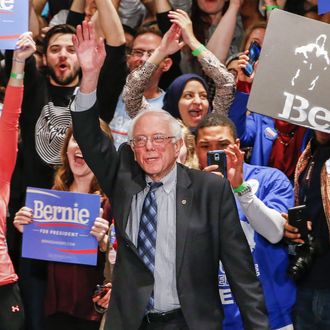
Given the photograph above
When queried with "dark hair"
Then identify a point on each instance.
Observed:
(201, 21)
(128, 29)
(149, 29)
(215, 119)
(57, 29)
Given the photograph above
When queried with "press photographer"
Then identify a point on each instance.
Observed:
(311, 266)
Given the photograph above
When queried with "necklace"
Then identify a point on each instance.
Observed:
(285, 138)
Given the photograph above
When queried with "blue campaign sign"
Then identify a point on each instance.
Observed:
(61, 226)
(13, 21)
(323, 6)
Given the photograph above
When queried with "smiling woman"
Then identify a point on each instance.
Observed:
(187, 97)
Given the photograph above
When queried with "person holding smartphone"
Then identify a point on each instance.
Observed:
(275, 143)
(312, 188)
(262, 193)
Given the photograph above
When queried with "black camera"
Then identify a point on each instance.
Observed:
(305, 256)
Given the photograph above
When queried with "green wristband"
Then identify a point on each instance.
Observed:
(240, 188)
(18, 76)
(270, 8)
(201, 48)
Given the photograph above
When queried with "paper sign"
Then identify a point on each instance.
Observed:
(13, 21)
(61, 226)
(293, 76)
(323, 6)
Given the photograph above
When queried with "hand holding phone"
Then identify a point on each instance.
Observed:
(254, 52)
(297, 217)
(100, 291)
(218, 157)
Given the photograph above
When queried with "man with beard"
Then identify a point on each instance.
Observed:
(44, 122)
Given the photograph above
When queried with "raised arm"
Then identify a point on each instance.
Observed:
(34, 24)
(138, 79)
(224, 81)
(97, 148)
(264, 216)
(11, 111)
(110, 23)
(222, 37)
(76, 13)
(114, 71)
(91, 55)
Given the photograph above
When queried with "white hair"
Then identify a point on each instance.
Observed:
(175, 127)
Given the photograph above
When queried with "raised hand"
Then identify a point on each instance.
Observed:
(23, 217)
(90, 49)
(182, 19)
(25, 47)
(171, 41)
(235, 160)
(242, 62)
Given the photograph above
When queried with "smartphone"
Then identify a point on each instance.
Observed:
(298, 218)
(254, 52)
(218, 157)
(100, 290)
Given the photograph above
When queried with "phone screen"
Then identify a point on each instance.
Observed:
(254, 52)
(298, 218)
(218, 157)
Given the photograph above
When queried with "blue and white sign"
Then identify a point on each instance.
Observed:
(323, 6)
(13, 21)
(61, 226)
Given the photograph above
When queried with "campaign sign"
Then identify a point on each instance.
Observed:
(61, 226)
(13, 21)
(293, 76)
(323, 6)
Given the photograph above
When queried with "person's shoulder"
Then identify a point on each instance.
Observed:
(265, 173)
(203, 178)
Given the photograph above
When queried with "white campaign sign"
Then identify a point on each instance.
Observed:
(293, 76)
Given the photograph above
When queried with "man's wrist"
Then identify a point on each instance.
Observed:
(240, 187)
(243, 189)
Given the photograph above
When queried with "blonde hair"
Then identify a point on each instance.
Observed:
(189, 140)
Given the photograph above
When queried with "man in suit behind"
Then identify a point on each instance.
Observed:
(176, 286)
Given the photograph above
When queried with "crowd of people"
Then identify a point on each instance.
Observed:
(125, 99)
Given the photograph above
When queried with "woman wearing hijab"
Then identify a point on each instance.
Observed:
(187, 97)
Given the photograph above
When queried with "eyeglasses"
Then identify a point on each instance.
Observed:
(141, 52)
(140, 141)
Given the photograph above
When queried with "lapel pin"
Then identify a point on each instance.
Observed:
(184, 202)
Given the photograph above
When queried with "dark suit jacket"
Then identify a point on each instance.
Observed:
(207, 230)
